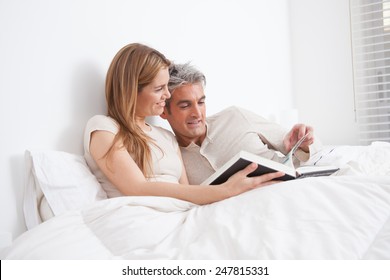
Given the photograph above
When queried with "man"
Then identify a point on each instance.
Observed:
(207, 143)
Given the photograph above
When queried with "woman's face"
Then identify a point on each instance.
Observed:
(151, 99)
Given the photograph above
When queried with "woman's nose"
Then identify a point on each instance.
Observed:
(167, 93)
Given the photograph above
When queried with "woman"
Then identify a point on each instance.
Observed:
(130, 156)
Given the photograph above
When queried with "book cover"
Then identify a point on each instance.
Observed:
(243, 159)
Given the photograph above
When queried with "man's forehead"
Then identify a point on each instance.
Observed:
(189, 92)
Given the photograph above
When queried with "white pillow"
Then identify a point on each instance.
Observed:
(55, 183)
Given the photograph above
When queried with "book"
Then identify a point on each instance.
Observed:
(244, 158)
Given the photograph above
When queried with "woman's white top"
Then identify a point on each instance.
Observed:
(167, 165)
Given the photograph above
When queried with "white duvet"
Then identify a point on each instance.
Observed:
(338, 217)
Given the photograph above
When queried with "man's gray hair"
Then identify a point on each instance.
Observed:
(182, 74)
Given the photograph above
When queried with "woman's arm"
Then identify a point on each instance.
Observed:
(125, 175)
(183, 177)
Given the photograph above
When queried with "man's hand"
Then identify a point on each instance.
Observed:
(296, 133)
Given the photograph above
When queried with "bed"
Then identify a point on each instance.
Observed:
(343, 216)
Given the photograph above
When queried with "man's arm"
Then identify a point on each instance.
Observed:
(279, 139)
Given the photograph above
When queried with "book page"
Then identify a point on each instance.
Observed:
(288, 158)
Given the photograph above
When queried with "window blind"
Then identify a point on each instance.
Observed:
(370, 29)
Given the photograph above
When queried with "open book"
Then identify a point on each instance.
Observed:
(243, 159)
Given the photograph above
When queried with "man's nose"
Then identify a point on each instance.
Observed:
(196, 111)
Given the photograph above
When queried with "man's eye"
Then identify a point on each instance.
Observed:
(183, 106)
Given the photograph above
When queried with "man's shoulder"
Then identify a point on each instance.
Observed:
(226, 121)
(231, 111)
(236, 114)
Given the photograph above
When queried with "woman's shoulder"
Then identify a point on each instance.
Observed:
(165, 133)
(101, 122)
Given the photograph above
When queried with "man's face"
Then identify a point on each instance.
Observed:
(187, 114)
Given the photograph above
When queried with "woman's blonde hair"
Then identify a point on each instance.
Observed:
(133, 67)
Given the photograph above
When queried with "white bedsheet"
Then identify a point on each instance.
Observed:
(313, 218)
(338, 217)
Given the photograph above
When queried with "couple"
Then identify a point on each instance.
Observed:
(131, 157)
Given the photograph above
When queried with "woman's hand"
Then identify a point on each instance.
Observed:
(239, 182)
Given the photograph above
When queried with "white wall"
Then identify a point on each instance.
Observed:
(54, 55)
(322, 68)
